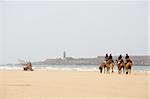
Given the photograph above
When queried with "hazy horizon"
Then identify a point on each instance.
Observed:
(37, 30)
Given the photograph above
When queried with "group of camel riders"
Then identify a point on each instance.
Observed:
(108, 64)
(121, 63)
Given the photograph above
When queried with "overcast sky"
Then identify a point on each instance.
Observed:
(44, 29)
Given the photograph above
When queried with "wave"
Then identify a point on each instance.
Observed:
(68, 67)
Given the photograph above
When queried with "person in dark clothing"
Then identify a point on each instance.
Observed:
(120, 60)
(110, 56)
(127, 59)
(106, 57)
(120, 57)
(127, 56)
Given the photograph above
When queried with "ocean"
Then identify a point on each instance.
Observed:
(68, 67)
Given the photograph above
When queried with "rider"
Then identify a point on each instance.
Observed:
(127, 59)
(110, 58)
(127, 56)
(120, 57)
(106, 58)
(120, 60)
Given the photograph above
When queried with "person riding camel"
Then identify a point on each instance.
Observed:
(120, 60)
(106, 58)
(127, 56)
(120, 57)
(110, 58)
(127, 59)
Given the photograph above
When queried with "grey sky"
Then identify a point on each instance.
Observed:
(39, 30)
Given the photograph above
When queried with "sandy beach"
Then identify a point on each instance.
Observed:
(73, 85)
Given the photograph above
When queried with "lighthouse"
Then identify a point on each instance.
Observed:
(64, 55)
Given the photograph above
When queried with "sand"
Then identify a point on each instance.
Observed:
(73, 85)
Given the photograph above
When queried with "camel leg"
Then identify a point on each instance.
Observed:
(30, 68)
(108, 70)
(127, 71)
(25, 69)
(130, 70)
(112, 70)
(101, 69)
(104, 70)
(123, 69)
(119, 70)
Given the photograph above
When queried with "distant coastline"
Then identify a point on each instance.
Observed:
(138, 61)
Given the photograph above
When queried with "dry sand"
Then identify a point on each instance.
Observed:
(73, 85)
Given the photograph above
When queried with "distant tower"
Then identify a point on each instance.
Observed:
(64, 55)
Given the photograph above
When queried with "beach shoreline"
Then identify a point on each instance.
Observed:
(73, 85)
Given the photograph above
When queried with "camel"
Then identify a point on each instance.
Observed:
(107, 65)
(102, 66)
(128, 65)
(110, 65)
(27, 66)
(121, 65)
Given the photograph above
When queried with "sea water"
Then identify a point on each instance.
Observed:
(68, 67)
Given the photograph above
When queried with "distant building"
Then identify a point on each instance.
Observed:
(69, 58)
